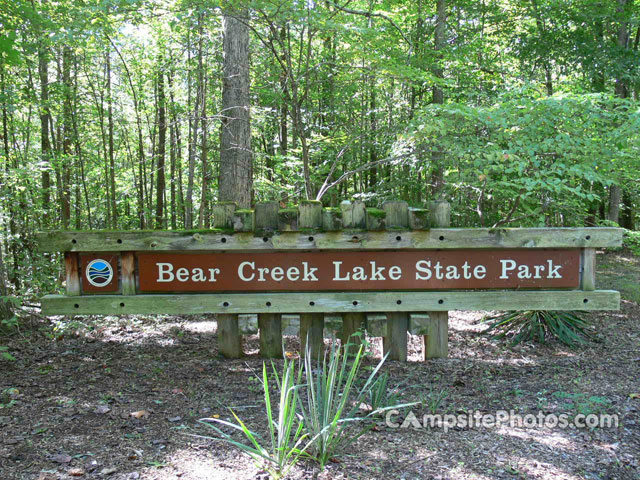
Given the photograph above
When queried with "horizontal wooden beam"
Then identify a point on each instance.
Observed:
(331, 302)
(437, 238)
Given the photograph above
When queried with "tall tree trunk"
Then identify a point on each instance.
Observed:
(621, 91)
(437, 158)
(112, 169)
(193, 140)
(236, 172)
(45, 119)
(162, 134)
(67, 135)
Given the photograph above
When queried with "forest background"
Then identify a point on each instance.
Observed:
(120, 114)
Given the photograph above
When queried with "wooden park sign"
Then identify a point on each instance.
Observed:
(354, 261)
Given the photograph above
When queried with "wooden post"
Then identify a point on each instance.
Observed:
(223, 213)
(229, 337)
(72, 270)
(128, 267)
(311, 324)
(270, 324)
(394, 342)
(436, 343)
(588, 276)
(354, 217)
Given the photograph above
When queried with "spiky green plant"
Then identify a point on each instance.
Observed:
(287, 440)
(331, 410)
(569, 328)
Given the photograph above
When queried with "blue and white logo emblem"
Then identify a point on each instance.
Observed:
(99, 273)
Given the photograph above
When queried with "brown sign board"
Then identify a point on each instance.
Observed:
(362, 270)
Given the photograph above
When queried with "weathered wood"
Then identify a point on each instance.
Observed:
(312, 333)
(270, 325)
(72, 272)
(351, 324)
(354, 214)
(376, 324)
(311, 324)
(266, 217)
(229, 337)
(588, 277)
(419, 323)
(331, 302)
(243, 220)
(435, 344)
(331, 219)
(419, 218)
(310, 215)
(394, 343)
(436, 238)
(440, 214)
(128, 273)
(288, 219)
(376, 219)
(397, 215)
(223, 213)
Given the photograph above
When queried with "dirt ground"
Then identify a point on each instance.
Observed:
(117, 398)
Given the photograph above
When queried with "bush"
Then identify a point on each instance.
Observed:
(540, 326)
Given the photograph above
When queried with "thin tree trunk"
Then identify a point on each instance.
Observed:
(45, 118)
(437, 175)
(162, 134)
(112, 168)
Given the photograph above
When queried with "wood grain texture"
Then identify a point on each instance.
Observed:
(437, 238)
(588, 276)
(72, 273)
(337, 302)
(128, 272)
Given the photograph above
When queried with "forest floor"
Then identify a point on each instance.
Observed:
(117, 398)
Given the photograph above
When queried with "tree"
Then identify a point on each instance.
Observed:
(236, 158)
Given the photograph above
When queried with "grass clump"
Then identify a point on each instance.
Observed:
(541, 326)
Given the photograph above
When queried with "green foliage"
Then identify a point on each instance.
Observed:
(569, 328)
(631, 241)
(287, 442)
(4, 354)
(331, 409)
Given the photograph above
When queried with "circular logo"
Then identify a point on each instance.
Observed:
(99, 273)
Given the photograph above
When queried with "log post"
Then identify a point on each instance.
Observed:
(588, 274)
(229, 337)
(394, 343)
(72, 271)
(128, 267)
(435, 343)
(311, 324)
(354, 217)
(270, 324)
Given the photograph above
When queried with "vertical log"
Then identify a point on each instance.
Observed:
(588, 276)
(395, 341)
(72, 270)
(229, 337)
(311, 324)
(354, 216)
(223, 215)
(435, 343)
(128, 267)
(270, 324)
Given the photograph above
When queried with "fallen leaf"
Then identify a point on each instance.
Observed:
(140, 414)
(108, 471)
(174, 419)
(61, 458)
(102, 409)
(76, 472)
(176, 391)
(634, 395)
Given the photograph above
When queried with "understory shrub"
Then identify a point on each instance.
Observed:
(569, 328)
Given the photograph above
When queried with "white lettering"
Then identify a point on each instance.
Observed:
(165, 272)
(241, 271)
